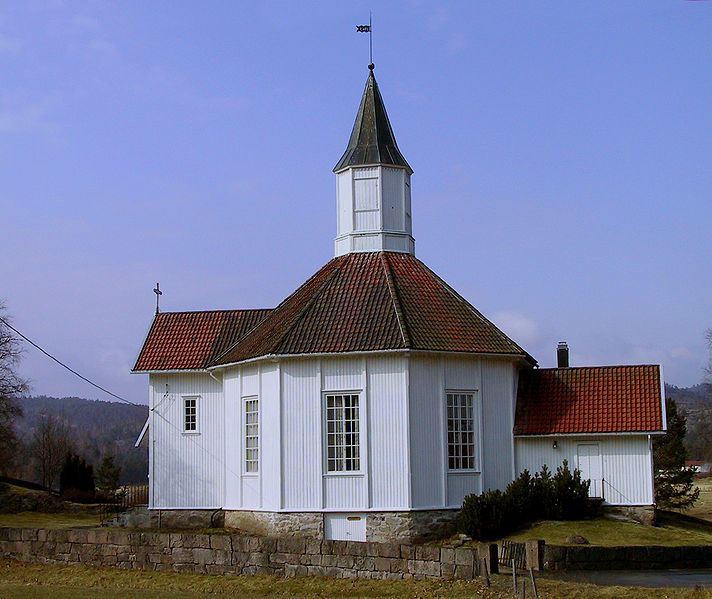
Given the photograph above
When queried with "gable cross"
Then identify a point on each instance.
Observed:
(158, 293)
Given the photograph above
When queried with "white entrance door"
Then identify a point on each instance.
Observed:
(589, 463)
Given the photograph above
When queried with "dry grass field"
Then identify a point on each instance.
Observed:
(33, 581)
(703, 507)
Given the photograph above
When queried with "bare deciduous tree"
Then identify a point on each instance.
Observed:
(708, 378)
(11, 386)
(51, 442)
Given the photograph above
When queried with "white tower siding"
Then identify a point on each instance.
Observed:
(373, 208)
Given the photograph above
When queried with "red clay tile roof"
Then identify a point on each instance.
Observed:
(191, 340)
(368, 302)
(595, 399)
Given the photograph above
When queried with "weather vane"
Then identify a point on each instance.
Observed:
(158, 293)
(368, 29)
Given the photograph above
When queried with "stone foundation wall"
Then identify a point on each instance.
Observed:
(413, 527)
(277, 524)
(239, 554)
(182, 519)
(381, 527)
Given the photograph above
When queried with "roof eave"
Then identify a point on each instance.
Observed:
(366, 352)
(588, 434)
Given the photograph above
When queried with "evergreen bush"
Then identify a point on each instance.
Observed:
(561, 496)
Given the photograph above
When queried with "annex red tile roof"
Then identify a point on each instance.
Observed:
(594, 399)
(191, 340)
(372, 301)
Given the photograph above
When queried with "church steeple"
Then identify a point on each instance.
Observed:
(372, 140)
(373, 183)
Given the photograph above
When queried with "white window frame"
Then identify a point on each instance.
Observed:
(184, 401)
(245, 461)
(476, 430)
(360, 432)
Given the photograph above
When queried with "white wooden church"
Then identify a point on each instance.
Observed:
(374, 398)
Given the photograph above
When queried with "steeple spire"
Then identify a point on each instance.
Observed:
(372, 140)
(373, 184)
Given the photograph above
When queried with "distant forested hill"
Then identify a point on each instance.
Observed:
(696, 403)
(690, 397)
(96, 427)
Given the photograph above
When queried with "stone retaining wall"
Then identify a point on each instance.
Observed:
(239, 554)
(587, 557)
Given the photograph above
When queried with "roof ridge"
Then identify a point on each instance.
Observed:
(215, 311)
(309, 303)
(216, 360)
(600, 367)
(457, 296)
(395, 298)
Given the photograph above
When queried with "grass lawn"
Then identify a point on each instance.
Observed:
(673, 529)
(43, 520)
(34, 581)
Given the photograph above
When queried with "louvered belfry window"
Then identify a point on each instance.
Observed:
(252, 435)
(461, 431)
(342, 433)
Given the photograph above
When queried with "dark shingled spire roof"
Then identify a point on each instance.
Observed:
(372, 140)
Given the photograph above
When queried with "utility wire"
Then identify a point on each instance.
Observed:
(74, 372)
(63, 365)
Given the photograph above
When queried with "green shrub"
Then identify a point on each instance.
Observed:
(570, 494)
(494, 513)
(484, 516)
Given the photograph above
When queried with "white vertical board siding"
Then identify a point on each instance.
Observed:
(426, 432)
(302, 433)
(408, 218)
(497, 400)
(188, 469)
(250, 384)
(342, 374)
(345, 491)
(233, 439)
(463, 374)
(459, 485)
(387, 432)
(381, 384)
(627, 471)
(270, 436)
(625, 461)
(392, 199)
(368, 220)
(344, 203)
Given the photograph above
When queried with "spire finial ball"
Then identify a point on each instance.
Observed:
(371, 67)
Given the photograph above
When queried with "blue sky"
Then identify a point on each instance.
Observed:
(562, 157)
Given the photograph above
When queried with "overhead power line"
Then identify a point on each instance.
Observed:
(75, 373)
(63, 365)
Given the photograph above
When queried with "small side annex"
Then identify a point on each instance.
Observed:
(601, 420)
